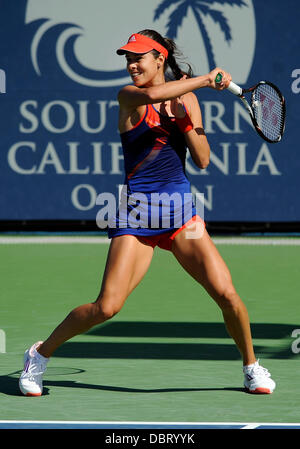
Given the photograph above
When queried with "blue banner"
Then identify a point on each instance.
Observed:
(59, 79)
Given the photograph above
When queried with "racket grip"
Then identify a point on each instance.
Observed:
(233, 88)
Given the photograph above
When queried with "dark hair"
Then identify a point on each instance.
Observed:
(173, 55)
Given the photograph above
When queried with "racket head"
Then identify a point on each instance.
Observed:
(269, 111)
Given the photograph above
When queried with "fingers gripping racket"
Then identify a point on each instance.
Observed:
(266, 108)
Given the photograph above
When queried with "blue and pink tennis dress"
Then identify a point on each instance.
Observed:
(156, 201)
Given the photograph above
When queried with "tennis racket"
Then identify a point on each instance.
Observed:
(266, 108)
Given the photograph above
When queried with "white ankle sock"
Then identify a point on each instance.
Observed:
(249, 367)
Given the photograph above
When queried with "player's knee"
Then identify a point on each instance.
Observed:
(228, 299)
(107, 312)
(107, 308)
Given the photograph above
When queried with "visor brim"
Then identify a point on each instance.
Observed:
(134, 48)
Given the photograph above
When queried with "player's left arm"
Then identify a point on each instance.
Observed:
(195, 138)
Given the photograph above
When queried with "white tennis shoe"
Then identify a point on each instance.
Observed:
(257, 379)
(31, 379)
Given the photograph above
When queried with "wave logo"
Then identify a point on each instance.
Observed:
(87, 34)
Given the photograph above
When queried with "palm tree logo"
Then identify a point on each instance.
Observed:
(200, 9)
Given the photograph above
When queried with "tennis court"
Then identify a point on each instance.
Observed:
(165, 360)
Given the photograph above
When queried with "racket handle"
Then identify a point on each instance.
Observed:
(233, 88)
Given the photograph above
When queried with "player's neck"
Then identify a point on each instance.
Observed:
(156, 81)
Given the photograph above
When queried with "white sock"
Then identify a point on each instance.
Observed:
(249, 367)
(40, 356)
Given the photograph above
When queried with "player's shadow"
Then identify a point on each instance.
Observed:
(9, 386)
(9, 383)
(153, 351)
(73, 384)
(186, 329)
(183, 349)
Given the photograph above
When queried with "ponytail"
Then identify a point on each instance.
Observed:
(174, 55)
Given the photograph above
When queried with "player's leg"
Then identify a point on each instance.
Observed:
(201, 259)
(127, 262)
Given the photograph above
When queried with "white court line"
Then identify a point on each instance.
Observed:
(52, 239)
(292, 241)
(143, 425)
(251, 426)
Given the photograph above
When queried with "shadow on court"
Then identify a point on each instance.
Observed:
(180, 350)
(135, 390)
(164, 351)
(9, 386)
(121, 348)
(186, 329)
(158, 351)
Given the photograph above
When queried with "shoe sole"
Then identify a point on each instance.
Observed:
(259, 391)
(33, 394)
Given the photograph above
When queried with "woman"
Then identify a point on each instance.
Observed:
(157, 121)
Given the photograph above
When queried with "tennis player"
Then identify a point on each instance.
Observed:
(158, 121)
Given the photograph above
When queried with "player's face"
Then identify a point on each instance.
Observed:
(143, 68)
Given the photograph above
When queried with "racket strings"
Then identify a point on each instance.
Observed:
(268, 111)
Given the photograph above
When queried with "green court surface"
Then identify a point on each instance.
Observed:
(166, 357)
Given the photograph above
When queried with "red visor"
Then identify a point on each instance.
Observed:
(137, 43)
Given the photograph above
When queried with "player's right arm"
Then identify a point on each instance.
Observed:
(132, 96)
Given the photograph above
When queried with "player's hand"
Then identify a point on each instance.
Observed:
(177, 108)
(226, 78)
